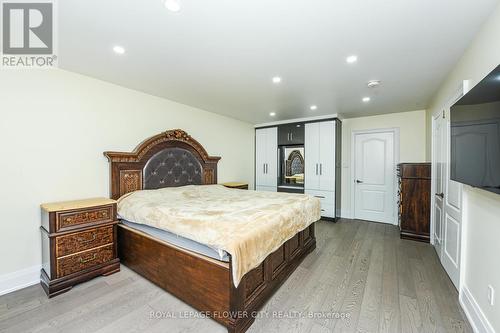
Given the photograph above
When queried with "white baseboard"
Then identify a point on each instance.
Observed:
(20, 279)
(477, 319)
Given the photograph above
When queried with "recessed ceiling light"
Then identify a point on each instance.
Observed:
(366, 99)
(276, 79)
(272, 114)
(351, 59)
(173, 5)
(373, 83)
(119, 49)
(313, 107)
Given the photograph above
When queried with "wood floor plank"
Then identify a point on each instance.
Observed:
(443, 288)
(390, 316)
(358, 267)
(410, 315)
(429, 312)
(372, 298)
(355, 291)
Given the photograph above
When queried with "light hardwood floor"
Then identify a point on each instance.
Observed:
(361, 269)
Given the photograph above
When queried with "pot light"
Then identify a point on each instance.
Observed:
(272, 114)
(313, 107)
(119, 49)
(351, 59)
(276, 79)
(173, 5)
(373, 83)
(366, 99)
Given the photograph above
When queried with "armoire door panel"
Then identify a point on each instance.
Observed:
(312, 150)
(260, 156)
(272, 157)
(327, 155)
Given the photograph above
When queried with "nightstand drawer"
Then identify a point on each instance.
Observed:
(83, 260)
(83, 217)
(83, 240)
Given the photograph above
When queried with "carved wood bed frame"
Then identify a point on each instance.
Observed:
(208, 287)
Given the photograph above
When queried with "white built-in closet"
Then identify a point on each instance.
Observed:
(321, 162)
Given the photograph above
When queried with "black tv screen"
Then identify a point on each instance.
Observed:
(475, 135)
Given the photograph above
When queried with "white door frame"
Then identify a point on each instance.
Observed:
(395, 132)
(458, 93)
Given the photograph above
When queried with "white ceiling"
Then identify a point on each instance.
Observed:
(220, 55)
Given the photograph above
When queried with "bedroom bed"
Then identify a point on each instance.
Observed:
(189, 263)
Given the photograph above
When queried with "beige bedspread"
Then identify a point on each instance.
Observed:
(248, 225)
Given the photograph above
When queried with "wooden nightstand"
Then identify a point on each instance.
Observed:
(78, 243)
(238, 185)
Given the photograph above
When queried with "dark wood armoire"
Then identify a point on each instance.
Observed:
(414, 200)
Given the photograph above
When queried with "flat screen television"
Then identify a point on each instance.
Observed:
(475, 135)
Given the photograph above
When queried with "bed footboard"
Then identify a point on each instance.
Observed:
(205, 283)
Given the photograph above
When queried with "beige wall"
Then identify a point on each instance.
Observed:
(54, 127)
(482, 209)
(412, 143)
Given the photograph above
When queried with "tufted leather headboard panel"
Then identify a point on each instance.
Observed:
(172, 167)
(169, 159)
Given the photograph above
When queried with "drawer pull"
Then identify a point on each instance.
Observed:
(323, 210)
(85, 241)
(319, 196)
(83, 261)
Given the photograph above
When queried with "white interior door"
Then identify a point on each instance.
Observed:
(447, 201)
(311, 156)
(438, 166)
(374, 176)
(327, 156)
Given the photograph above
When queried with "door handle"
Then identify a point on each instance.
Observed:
(441, 195)
(359, 181)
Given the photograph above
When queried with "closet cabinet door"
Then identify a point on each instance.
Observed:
(312, 151)
(272, 157)
(260, 157)
(327, 156)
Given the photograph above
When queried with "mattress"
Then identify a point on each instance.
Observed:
(248, 225)
(182, 242)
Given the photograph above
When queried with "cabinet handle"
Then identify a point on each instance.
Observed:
(85, 241)
(316, 169)
(291, 136)
(264, 168)
(319, 196)
(320, 168)
(267, 168)
(83, 261)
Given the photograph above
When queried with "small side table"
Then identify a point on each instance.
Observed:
(237, 185)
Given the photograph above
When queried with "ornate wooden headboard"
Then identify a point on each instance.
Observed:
(172, 158)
